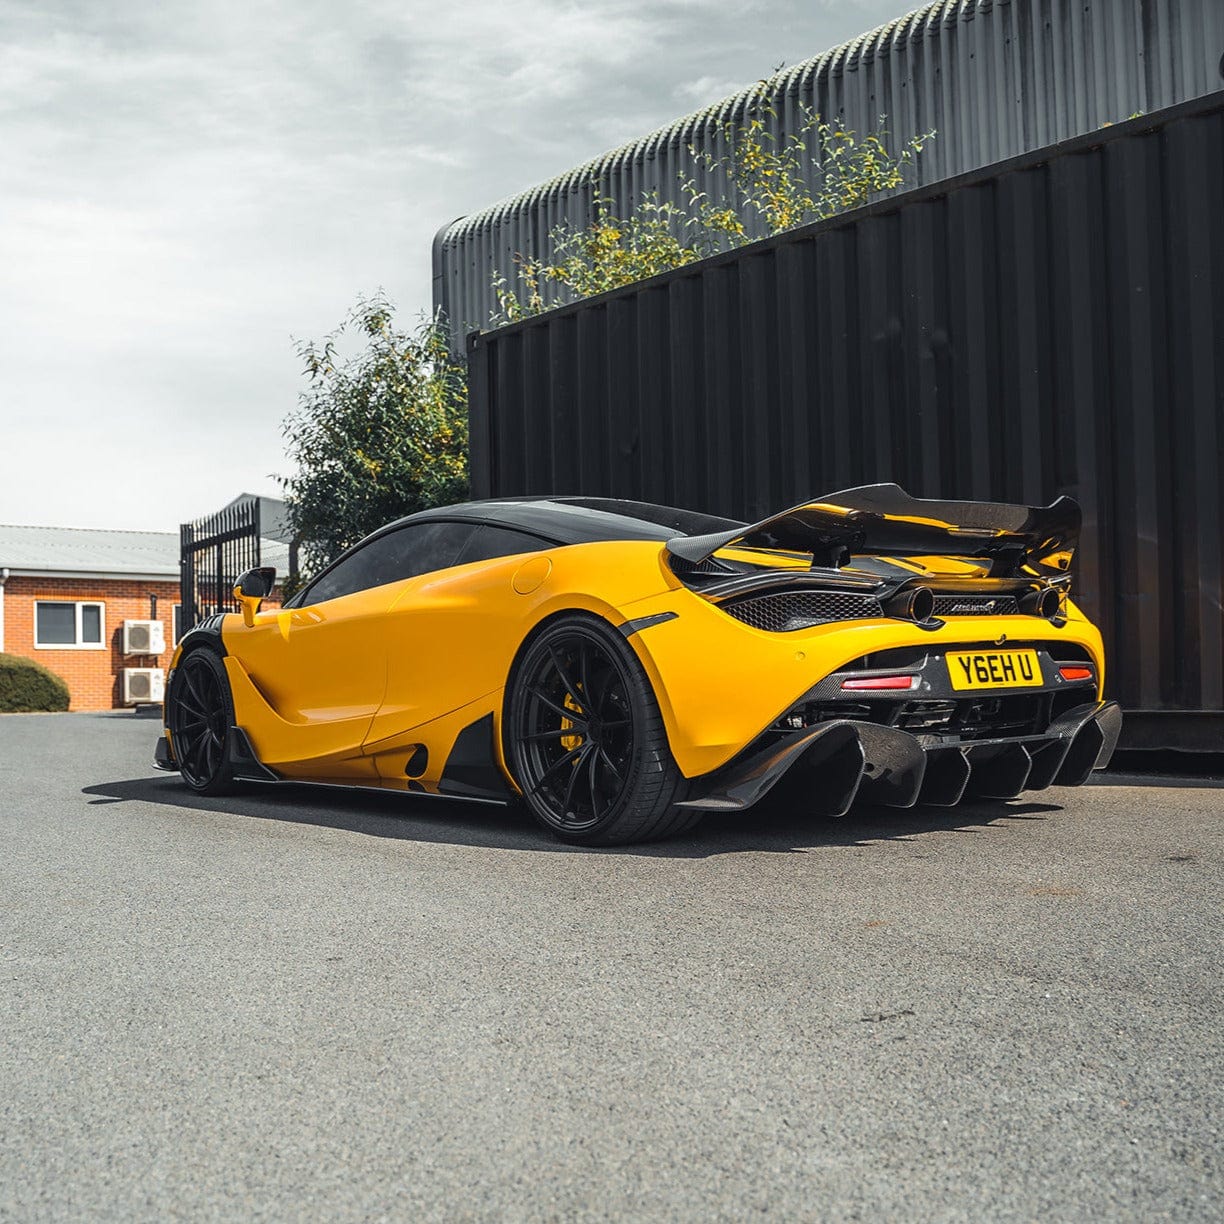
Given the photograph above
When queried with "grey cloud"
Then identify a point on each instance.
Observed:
(185, 186)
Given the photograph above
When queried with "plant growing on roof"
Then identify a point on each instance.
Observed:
(775, 184)
(609, 252)
(815, 172)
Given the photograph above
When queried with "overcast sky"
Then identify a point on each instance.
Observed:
(187, 187)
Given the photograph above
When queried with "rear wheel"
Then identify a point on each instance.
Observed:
(200, 713)
(585, 740)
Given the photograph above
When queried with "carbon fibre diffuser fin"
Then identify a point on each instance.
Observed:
(827, 759)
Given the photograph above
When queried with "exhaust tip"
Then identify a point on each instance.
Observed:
(922, 604)
(917, 604)
(1045, 603)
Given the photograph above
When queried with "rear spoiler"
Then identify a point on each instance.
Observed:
(884, 520)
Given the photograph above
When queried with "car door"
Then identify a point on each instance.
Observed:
(321, 662)
(442, 632)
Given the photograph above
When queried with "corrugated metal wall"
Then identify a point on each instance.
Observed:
(995, 78)
(1052, 325)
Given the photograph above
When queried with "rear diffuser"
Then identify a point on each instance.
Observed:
(829, 766)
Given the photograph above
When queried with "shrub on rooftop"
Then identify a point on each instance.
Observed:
(27, 687)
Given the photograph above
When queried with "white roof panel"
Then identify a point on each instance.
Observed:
(78, 550)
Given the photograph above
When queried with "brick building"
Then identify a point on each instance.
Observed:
(84, 602)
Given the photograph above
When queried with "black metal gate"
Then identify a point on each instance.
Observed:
(213, 552)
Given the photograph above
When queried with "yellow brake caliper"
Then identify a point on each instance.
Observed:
(570, 742)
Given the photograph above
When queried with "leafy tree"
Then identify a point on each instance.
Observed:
(815, 172)
(379, 433)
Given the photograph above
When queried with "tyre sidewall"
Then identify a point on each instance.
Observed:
(221, 781)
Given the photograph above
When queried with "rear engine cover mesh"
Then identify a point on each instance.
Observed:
(791, 610)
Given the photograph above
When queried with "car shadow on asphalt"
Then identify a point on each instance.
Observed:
(766, 828)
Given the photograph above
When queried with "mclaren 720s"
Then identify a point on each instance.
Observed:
(622, 667)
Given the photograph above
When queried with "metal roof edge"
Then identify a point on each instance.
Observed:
(171, 576)
(852, 51)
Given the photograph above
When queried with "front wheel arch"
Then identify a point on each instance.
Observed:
(199, 714)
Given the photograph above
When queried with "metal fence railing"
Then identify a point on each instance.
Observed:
(213, 551)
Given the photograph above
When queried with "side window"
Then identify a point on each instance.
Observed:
(405, 553)
(488, 543)
(68, 625)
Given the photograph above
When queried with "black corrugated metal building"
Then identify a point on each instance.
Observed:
(993, 78)
(1052, 324)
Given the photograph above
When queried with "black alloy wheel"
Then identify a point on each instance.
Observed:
(585, 740)
(200, 715)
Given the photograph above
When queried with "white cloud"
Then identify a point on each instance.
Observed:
(186, 186)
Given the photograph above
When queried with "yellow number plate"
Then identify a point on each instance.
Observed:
(991, 669)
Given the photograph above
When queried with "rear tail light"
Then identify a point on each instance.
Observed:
(881, 682)
(1077, 672)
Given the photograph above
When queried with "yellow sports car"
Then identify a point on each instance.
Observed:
(623, 667)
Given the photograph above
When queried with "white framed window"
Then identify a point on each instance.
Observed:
(69, 625)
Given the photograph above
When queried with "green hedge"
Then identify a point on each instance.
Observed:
(28, 687)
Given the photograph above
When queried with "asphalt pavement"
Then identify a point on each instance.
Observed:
(297, 1004)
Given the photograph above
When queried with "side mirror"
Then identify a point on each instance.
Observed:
(251, 589)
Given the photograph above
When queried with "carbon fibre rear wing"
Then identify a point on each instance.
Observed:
(883, 520)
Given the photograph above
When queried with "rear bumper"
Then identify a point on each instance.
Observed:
(829, 766)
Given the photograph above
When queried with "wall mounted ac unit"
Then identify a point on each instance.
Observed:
(143, 684)
(143, 637)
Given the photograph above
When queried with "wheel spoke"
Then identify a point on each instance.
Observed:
(584, 677)
(196, 754)
(552, 769)
(570, 688)
(620, 777)
(575, 774)
(190, 681)
(594, 784)
(573, 715)
(557, 733)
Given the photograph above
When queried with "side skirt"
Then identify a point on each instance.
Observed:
(471, 771)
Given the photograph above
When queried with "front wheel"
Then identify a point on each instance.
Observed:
(585, 740)
(199, 713)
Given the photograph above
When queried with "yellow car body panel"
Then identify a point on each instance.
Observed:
(406, 684)
(394, 662)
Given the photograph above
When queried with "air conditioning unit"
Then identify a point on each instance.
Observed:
(143, 637)
(143, 684)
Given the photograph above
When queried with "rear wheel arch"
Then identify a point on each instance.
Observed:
(603, 775)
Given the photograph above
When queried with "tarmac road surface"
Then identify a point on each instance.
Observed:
(299, 1005)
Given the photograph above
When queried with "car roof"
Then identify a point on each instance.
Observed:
(577, 520)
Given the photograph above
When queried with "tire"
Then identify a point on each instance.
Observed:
(200, 712)
(585, 741)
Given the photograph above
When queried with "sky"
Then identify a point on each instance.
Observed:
(186, 189)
